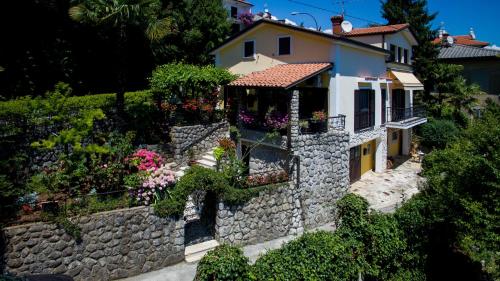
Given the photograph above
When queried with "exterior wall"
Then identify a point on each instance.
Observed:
(114, 245)
(199, 138)
(400, 40)
(484, 73)
(266, 158)
(374, 40)
(274, 213)
(304, 47)
(242, 8)
(379, 134)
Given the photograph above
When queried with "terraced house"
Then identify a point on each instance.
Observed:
(353, 81)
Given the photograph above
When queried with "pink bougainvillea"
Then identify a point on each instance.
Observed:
(145, 160)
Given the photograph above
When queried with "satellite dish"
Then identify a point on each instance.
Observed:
(450, 40)
(346, 26)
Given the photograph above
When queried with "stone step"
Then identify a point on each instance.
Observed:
(209, 157)
(195, 252)
(179, 174)
(206, 163)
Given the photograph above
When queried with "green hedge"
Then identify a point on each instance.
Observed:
(197, 178)
(438, 133)
(224, 263)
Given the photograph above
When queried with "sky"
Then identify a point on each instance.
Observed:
(458, 15)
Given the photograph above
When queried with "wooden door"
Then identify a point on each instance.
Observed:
(355, 163)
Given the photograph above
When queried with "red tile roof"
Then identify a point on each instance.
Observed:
(464, 40)
(377, 30)
(281, 76)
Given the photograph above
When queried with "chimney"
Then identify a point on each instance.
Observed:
(472, 34)
(336, 24)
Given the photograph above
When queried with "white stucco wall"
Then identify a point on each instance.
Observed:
(400, 40)
(374, 40)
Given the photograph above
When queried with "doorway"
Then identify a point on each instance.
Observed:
(203, 228)
(355, 163)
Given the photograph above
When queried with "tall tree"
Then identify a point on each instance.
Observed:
(416, 13)
(119, 15)
(201, 26)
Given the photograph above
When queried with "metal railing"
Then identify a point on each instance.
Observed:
(395, 114)
(364, 120)
(311, 126)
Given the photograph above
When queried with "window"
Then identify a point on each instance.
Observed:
(364, 109)
(400, 54)
(405, 56)
(249, 49)
(284, 45)
(234, 12)
(384, 107)
(393, 52)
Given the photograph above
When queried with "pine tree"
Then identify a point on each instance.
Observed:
(416, 13)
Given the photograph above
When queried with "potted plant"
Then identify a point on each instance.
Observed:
(304, 126)
(318, 121)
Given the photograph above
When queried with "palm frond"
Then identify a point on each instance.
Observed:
(158, 29)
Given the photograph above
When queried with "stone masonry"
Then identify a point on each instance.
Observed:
(198, 138)
(274, 213)
(114, 245)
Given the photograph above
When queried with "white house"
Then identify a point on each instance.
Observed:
(352, 78)
(235, 8)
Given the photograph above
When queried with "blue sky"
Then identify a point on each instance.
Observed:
(458, 15)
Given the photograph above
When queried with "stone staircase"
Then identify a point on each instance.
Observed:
(195, 252)
(207, 160)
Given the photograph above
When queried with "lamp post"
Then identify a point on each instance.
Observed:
(302, 13)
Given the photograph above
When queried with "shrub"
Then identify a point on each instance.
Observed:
(224, 263)
(314, 256)
(438, 133)
(352, 211)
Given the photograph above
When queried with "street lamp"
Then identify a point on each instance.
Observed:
(302, 13)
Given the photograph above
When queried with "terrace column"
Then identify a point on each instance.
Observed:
(294, 128)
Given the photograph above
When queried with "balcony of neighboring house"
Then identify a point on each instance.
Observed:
(405, 118)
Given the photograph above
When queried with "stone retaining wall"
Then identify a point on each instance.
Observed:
(324, 174)
(114, 245)
(198, 138)
(274, 213)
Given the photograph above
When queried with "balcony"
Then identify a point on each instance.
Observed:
(405, 118)
(312, 126)
(364, 120)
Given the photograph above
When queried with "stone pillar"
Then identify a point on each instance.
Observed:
(294, 128)
(381, 153)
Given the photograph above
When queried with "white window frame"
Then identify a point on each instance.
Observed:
(278, 45)
(254, 49)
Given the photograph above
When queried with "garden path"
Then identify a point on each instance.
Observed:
(386, 191)
(186, 271)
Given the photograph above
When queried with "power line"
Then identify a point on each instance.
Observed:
(337, 12)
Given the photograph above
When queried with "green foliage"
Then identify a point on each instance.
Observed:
(438, 133)
(184, 81)
(313, 256)
(199, 178)
(201, 25)
(224, 263)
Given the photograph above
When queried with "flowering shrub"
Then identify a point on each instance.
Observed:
(246, 19)
(267, 178)
(145, 160)
(319, 115)
(155, 185)
(165, 106)
(276, 120)
(191, 105)
(246, 118)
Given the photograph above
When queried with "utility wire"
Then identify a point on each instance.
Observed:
(337, 12)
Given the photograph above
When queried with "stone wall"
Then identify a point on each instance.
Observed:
(114, 245)
(274, 213)
(198, 138)
(323, 174)
(266, 158)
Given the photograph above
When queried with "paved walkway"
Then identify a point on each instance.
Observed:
(186, 271)
(386, 191)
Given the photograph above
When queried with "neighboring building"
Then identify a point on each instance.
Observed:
(481, 65)
(363, 88)
(235, 9)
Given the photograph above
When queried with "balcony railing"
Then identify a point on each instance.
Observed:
(311, 126)
(364, 120)
(405, 114)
